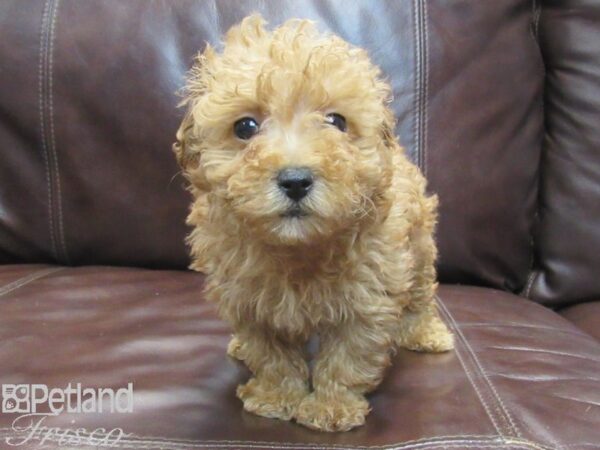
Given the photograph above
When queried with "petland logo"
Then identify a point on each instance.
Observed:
(29, 398)
(34, 403)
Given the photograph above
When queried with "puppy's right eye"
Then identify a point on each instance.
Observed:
(337, 120)
(245, 128)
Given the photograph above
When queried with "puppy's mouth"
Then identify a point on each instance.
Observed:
(295, 212)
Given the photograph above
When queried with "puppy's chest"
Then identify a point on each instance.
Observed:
(301, 307)
(299, 301)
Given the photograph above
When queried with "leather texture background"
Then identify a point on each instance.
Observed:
(568, 238)
(88, 114)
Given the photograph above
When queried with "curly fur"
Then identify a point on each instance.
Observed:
(358, 270)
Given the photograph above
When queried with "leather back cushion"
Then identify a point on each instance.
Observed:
(568, 250)
(88, 113)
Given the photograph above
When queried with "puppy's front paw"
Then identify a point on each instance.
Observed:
(274, 401)
(342, 412)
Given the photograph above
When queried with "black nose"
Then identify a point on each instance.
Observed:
(295, 182)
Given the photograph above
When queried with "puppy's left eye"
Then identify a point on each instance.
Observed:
(337, 120)
(245, 128)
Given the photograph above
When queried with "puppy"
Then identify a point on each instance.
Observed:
(308, 219)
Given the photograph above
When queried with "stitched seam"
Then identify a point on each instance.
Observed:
(483, 373)
(41, 77)
(469, 438)
(20, 282)
(464, 364)
(144, 444)
(419, 443)
(61, 233)
(422, 441)
(529, 444)
(530, 280)
(430, 439)
(425, 99)
(277, 446)
(534, 327)
(274, 446)
(417, 84)
(485, 376)
(458, 442)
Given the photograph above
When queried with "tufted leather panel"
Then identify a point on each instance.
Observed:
(480, 140)
(568, 241)
(88, 113)
(522, 377)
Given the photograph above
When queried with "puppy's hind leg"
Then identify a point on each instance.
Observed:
(422, 330)
(235, 348)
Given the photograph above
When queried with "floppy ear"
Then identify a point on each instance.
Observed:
(388, 146)
(185, 158)
(387, 130)
(195, 87)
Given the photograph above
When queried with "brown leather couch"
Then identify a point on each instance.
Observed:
(497, 101)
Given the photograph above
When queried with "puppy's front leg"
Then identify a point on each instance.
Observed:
(351, 363)
(280, 371)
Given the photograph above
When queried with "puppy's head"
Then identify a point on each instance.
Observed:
(288, 131)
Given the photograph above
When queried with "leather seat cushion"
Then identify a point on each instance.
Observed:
(586, 316)
(521, 376)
